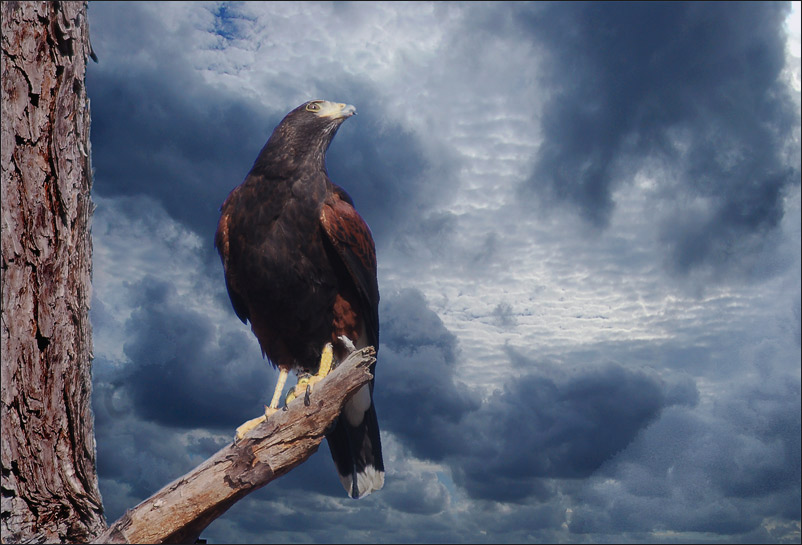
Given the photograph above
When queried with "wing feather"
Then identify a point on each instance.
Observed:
(351, 237)
(223, 245)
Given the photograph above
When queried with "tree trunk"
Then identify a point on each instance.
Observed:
(49, 481)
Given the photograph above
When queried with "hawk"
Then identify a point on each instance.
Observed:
(300, 266)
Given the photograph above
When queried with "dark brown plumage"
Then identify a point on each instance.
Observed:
(300, 266)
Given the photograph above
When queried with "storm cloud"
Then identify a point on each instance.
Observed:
(587, 227)
(683, 94)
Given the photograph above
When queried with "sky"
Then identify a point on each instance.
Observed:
(587, 223)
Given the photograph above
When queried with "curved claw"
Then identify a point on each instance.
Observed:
(248, 426)
(303, 382)
(252, 423)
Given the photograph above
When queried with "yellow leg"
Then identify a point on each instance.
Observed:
(325, 364)
(251, 424)
(306, 383)
(282, 379)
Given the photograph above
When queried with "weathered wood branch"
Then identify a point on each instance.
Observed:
(180, 511)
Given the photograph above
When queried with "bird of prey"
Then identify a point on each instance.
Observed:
(300, 265)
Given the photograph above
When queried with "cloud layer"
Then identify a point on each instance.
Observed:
(587, 224)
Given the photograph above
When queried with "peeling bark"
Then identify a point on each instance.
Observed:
(49, 482)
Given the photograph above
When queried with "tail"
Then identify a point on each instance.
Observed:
(356, 446)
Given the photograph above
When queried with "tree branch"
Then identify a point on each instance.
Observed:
(180, 511)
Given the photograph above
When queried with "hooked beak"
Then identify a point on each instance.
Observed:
(336, 110)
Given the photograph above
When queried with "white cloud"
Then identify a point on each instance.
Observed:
(793, 49)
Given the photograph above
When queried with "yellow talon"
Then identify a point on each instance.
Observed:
(248, 426)
(304, 385)
(306, 381)
(303, 381)
(325, 365)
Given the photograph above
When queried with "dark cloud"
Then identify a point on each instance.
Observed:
(724, 473)
(693, 87)
(136, 457)
(417, 395)
(173, 139)
(550, 424)
(421, 494)
(763, 445)
(183, 371)
(317, 475)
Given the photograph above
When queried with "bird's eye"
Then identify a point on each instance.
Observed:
(313, 107)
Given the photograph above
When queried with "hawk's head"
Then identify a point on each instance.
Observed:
(305, 133)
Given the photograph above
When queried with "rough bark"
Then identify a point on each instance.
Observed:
(180, 511)
(49, 482)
